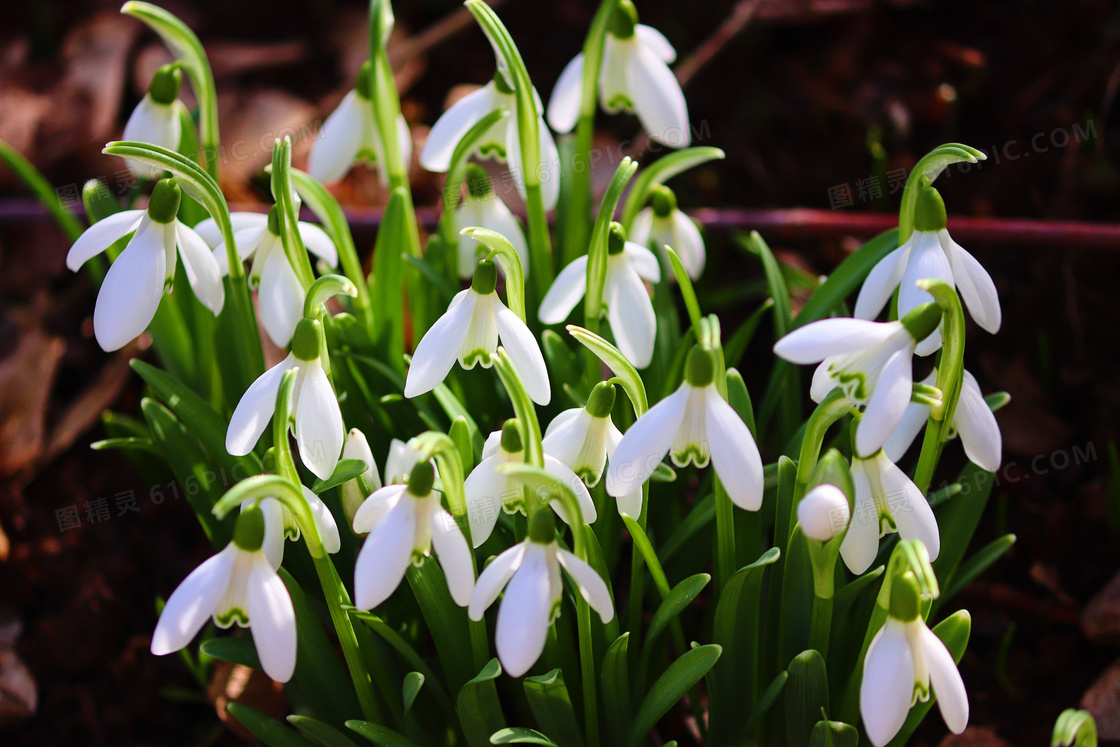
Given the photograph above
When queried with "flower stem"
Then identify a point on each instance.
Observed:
(725, 536)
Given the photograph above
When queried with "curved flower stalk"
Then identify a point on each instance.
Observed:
(469, 331)
(318, 419)
(155, 120)
(489, 489)
(240, 585)
(404, 523)
(973, 419)
(930, 253)
(484, 209)
(280, 524)
(635, 77)
(869, 361)
(697, 425)
(886, 501)
(530, 574)
(350, 134)
(905, 658)
(663, 224)
(137, 279)
(628, 307)
(354, 492)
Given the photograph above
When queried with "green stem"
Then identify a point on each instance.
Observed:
(821, 625)
(42, 190)
(725, 536)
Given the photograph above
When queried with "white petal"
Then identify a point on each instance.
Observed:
(563, 473)
(907, 430)
(818, 340)
(630, 312)
(404, 140)
(201, 268)
(485, 489)
(454, 556)
(494, 578)
(888, 684)
(641, 227)
(247, 240)
(192, 603)
(357, 447)
(975, 285)
(658, 99)
(912, 514)
(525, 614)
(927, 260)
(469, 214)
(948, 686)
(385, 557)
(319, 429)
(450, 128)
(272, 620)
(497, 217)
(376, 507)
(241, 220)
(976, 424)
(318, 242)
(402, 458)
(565, 440)
(525, 353)
(334, 150)
(565, 417)
(491, 444)
(324, 522)
(563, 107)
(887, 404)
(281, 297)
(689, 244)
(101, 235)
(646, 443)
(440, 346)
(133, 288)
(591, 585)
(881, 282)
(734, 453)
(823, 383)
(643, 261)
(614, 85)
(156, 124)
(861, 543)
(255, 409)
(655, 41)
(274, 534)
(549, 166)
(566, 291)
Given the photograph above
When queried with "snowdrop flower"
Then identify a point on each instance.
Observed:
(350, 134)
(281, 297)
(484, 209)
(137, 279)
(236, 585)
(973, 420)
(696, 424)
(469, 331)
(502, 141)
(886, 501)
(318, 419)
(823, 513)
(627, 304)
(532, 601)
(664, 224)
(905, 657)
(155, 120)
(634, 77)
(404, 523)
(354, 492)
(280, 524)
(487, 487)
(402, 458)
(930, 253)
(870, 361)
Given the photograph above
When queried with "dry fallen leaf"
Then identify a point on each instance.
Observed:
(19, 696)
(26, 378)
(237, 683)
(1100, 622)
(97, 58)
(1102, 700)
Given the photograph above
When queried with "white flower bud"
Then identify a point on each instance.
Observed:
(823, 513)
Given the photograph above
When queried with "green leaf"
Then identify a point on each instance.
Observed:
(321, 734)
(480, 711)
(968, 571)
(834, 734)
(552, 708)
(562, 362)
(806, 693)
(616, 689)
(796, 603)
(678, 679)
(681, 595)
(345, 471)
(846, 278)
(736, 346)
(1074, 729)
(954, 633)
(42, 190)
(628, 376)
(765, 702)
(597, 248)
(783, 391)
(959, 518)
(687, 291)
(740, 399)
(380, 735)
(265, 728)
(446, 621)
(661, 171)
(413, 681)
(425, 267)
(454, 410)
(234, 649)
(520, 735)
(649, 555)
(387, 280)
(131, 443)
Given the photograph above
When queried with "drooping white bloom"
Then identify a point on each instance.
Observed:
(532, 601)
(350, 134)
(239, 585)
(823, 513)
(634, 77)
(870, 361)
(318, 419)
(488, 490)
(904, 659)
(663, 224)
(155, 120)
(626, 302)
(469, 332)
(886, 501)
(930, 253)
(281, 297)
(502, 141)
(404, 523)
(137, 279)
(354, 492)
(696, 424)
(973, 420)
(280, 524)
(402, 458)
(485, 209)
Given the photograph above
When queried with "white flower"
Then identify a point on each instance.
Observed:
(404, 523)
(353, 492)
(318, 419)
(634, 77)
(281, 297)
(488, 489)
(930, 253)
(886, 501)
(484, 209)
(697, 424)
(236, 585)
(903, 660)
(870, 361)
(532, 601)
(155, 120)
(502, 141)
(280, 524)
(664, 224)
(823, 512)
(626, 302)
(973, 420)
(135, 283)
(402, 458)
(350, 133)
(469, 331)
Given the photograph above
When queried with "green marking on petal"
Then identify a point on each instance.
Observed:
(229, 617)
(691, 453)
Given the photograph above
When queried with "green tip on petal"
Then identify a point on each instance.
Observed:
(905, 597)
(624, 19)
(274, 220)
(601, 401)
(616, 239)
(663, 200)
(364, 84)
(164, 88)
(249, 532)
(929, 212)
(542, 527)
(700, 370)
(305, 341)
(421, 479)
(478, 182)
(922, 321)
(163, 205)
(485, 277)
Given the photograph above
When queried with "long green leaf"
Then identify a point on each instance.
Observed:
(380, 735)
(480, 710)
(678, 679)
(671, 607)
(806, 693)
(552, 708)
(846, 278)
(265, 728)
(42, 190)
(661, 171)
(616, 690)
(520, 735)
(321, 734)
(387, 280)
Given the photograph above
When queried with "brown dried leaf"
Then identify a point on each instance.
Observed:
(97, 57)
(19, 696)
(26, 378)
(1102, 700)
(237, 683)
(1100, 622)
(250, 123)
